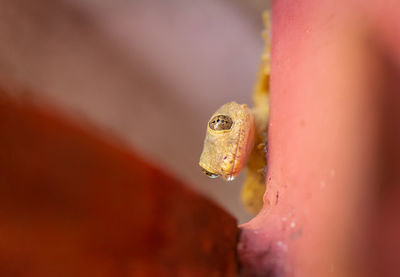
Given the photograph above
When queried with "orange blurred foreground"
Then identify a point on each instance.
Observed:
(72, 204)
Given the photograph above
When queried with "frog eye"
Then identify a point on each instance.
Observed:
(209, 174)
(220, 123)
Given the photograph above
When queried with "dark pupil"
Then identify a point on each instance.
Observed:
(220, 122)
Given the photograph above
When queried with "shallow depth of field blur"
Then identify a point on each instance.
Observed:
(149, 72)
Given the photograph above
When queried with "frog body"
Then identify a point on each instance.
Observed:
(239, 138)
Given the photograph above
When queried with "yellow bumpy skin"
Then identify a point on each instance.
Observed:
(237, 136)
(227, 145)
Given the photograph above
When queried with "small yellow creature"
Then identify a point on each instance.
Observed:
(237, 135)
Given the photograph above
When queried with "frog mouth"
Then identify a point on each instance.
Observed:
(209, 173)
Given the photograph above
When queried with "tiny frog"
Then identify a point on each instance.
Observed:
(236, 137)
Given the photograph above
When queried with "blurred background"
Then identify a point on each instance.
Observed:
(150, 72)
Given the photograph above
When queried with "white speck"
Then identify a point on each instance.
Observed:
(322, 184)
(292, 224)
(282, 245)
(332, 173)
(284, 219)
(230, 178)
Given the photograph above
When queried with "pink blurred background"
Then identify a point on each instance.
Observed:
(150, 72)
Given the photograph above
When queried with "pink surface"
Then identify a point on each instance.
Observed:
(332, 187)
